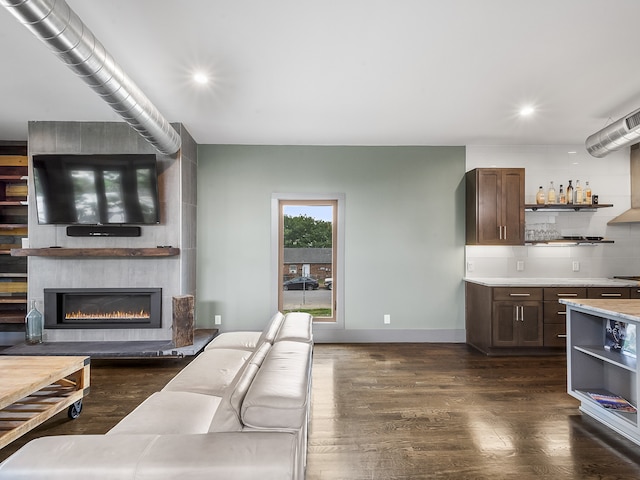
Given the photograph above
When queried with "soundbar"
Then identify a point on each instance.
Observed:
(102, 231)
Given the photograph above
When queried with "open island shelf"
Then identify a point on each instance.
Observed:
(600, 374)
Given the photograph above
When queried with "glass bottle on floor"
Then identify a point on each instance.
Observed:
(34, 325)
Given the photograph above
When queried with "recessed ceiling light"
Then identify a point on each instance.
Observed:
(526, 111)
(201, 78)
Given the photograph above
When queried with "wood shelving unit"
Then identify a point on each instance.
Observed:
(13, 227)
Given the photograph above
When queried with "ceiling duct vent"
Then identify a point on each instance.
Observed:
(619, 134)
(53, 22)
(633, 121)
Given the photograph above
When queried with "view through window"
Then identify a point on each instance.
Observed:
(307, 257)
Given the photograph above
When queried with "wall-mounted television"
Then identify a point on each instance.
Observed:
(96, 189)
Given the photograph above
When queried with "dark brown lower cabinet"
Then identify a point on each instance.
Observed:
(517, 324)
(524, 320)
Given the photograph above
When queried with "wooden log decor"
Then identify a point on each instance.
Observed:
(183, 320)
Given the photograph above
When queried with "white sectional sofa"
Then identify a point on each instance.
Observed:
(238, 411)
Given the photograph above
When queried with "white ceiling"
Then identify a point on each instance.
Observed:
(346, 72)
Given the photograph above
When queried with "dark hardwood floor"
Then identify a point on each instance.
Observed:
(409, 411)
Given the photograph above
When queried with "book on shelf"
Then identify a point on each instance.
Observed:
(612, 402)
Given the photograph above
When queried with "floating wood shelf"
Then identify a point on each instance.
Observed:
(554, 207)
(96, 252)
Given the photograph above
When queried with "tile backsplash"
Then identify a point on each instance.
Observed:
(608, 178)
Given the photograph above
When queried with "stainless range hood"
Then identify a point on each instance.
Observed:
(633, 214)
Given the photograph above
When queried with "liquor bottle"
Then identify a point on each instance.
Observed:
(587, 195)
(578, 193)
(540, 196)
(551, 195)
(562, 199)
(34, 325)
(569, 194)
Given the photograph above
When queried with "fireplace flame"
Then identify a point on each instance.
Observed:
(118, 315)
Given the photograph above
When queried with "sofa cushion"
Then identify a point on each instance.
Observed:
(296, 326)
(279, 394)
(210, 373)
(237, 456)
(232, 456)
(170, 413)
(248, 340)
(236, 340)
(77, 457)
(272, 329)
(227, 417)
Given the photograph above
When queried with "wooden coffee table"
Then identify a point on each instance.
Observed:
(34, 389)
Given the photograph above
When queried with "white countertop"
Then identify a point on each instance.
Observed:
(552, 282)
(617, 309)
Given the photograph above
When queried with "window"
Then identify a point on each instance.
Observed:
(307, 256)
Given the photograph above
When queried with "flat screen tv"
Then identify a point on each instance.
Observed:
(96, 189)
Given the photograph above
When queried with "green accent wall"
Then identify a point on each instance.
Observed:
(404, 235)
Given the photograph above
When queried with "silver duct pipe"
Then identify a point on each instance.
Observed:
(53, 22)
(619, 134)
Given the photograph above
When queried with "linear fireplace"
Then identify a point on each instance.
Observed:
(80, 308)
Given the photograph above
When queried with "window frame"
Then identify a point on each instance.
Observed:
(277, 200)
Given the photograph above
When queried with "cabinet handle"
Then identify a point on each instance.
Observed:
(562, 335)
(505, 232)
(562, 313)
(567, 294)
(500, 232)
(519, 313)
(519, 294)
(610, 294)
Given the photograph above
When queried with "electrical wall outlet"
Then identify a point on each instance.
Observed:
(576, 266)
(217, 319)
(520, 265)
(470, 266)
(387, 319)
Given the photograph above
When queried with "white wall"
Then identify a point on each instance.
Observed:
(609, 179)
(404, 235)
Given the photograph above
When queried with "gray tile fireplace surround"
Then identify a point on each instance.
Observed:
(175, 275)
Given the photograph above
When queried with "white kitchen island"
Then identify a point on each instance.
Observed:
(592, 368)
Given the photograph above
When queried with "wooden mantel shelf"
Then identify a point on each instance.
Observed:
(95, 252)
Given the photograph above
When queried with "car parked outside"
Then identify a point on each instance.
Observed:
(301, 283)
(328, 283)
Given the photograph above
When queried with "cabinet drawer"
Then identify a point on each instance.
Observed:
(608, 292)
(557, 293)
(555, 335)
(517, 293)
(634, 292)
(555, 312)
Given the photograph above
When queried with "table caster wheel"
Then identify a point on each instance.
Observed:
(74, 410)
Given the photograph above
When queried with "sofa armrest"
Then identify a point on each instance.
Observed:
(237, 455)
